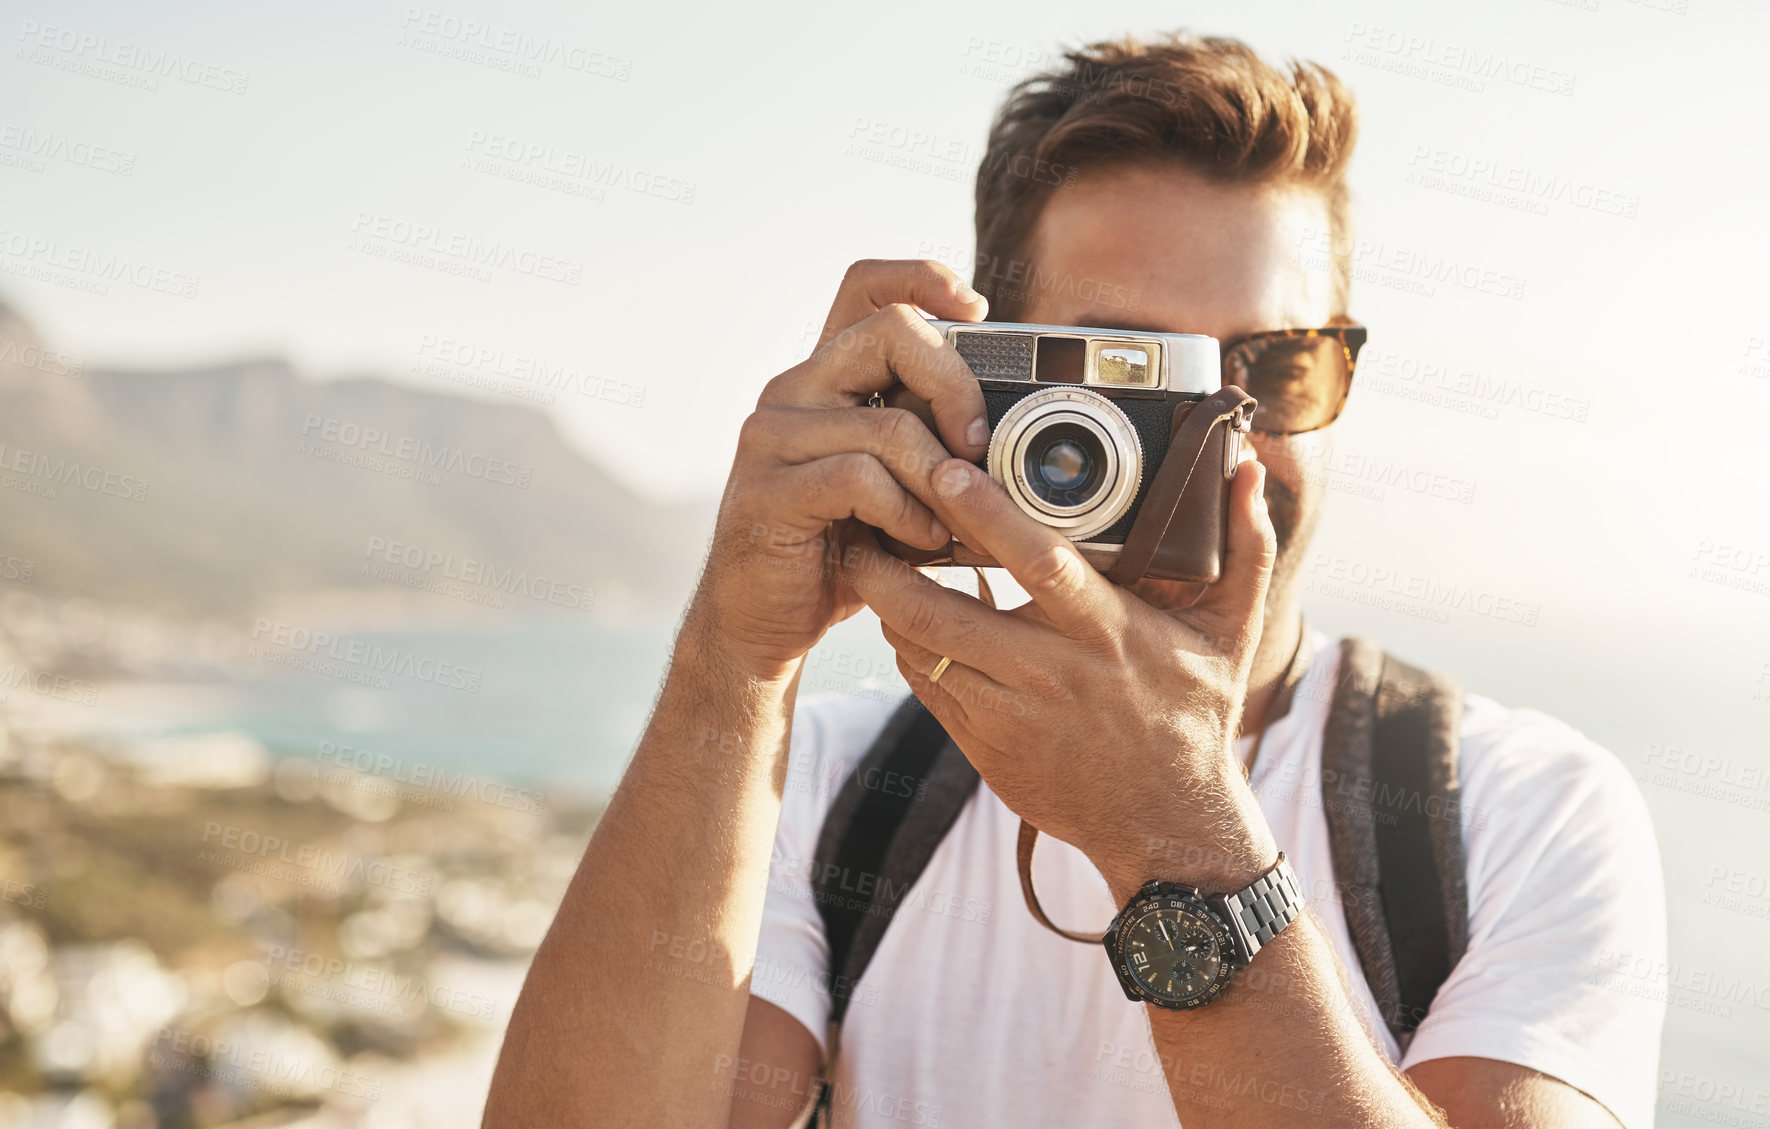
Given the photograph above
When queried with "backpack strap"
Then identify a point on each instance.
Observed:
(882, 828)
(1393, 802)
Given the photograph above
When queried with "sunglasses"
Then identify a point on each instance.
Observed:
(1300, 376)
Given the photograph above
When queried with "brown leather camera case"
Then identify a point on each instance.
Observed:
(1182, 526)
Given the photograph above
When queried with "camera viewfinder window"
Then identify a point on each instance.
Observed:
(1062, 360)
(1122, 365)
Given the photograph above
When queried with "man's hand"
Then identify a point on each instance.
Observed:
(812, 454)
(1093, 715)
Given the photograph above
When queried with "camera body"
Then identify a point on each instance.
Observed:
(1080, 422)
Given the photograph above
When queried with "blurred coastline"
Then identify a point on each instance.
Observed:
(310, 695)
(196, 932)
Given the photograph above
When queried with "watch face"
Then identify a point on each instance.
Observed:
(1175, 950)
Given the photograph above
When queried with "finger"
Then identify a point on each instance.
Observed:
(940, 619)
(972, 686)
(1232, 605)
(858, 485)
(893, 345)
(872, 284)
(895, 437)
(1073, 596)
(963, 700)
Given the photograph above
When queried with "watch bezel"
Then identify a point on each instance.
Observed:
(1182, 899)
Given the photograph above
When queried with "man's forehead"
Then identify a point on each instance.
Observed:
(1161, 248)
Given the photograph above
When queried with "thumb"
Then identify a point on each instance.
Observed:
(1232, 605)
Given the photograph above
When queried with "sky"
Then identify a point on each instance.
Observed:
(1550, 476)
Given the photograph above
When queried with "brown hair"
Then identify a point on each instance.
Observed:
(1207, 103)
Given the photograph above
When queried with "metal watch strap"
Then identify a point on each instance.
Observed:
(1260, 912)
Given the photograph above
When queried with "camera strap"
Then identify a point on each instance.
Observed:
(1029, 835)
(1194, 428)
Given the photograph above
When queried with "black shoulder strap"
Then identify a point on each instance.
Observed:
(881, 830)
(1393, 801)
(1389, 788)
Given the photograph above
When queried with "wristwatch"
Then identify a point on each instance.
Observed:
(1174, 947)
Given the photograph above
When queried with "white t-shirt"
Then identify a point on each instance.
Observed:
(974, 1014)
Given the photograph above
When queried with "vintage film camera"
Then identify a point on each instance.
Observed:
(1083, 426)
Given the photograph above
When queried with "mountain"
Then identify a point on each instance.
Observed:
(234, 487)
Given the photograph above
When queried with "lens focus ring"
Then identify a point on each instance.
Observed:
(1069, 458)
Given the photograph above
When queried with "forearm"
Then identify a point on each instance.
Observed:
(1282, 1045)
(642, 982)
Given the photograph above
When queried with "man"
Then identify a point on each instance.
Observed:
(686, 978)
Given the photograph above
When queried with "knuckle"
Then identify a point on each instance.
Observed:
(754, 432)
(936, 271)
(859, 269)
(960, 628)
(774, 391)
(923, 618)
(1057, 570)
(1045, 684)
(857, 471)
(895, 431)
(900, 317)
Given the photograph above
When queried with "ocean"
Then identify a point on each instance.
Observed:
(554, 704)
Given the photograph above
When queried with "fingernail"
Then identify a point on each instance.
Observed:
(951, 480)
(967, 295)
(978, 433)
(938, 531)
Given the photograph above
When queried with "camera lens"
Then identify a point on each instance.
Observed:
(1063, 464)
(1068, 457)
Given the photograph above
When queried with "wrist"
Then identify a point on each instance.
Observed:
(709, 656)
(1216, 856)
